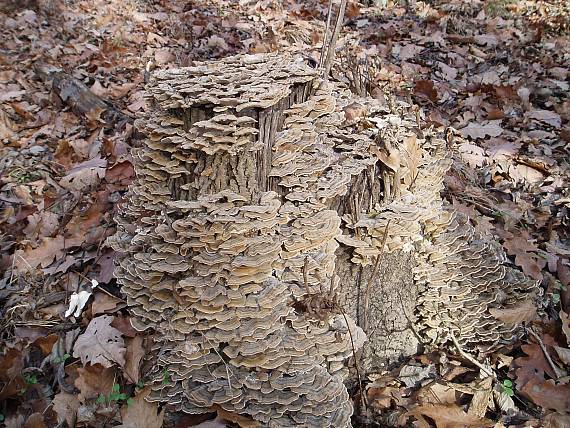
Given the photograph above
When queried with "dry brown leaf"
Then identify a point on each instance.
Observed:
(449, 416)
(556, 420)
(133, 357)
(563, 354)
(163, 56)
(523, 312)
(426, 88)
(550, 117)
(477, 130)
(437, 393)
(525, 174)
(381, 398)
(547, 394)
(35, 420)
(84, 175)
(140, 413)
(65, 406)
(101, 343)
(94, 380)
(531, 366)
(482, 398)
(103, 302)
(473, 155)
(44, 255)
(412, 154)
(23, 193)
(524, 251)
(11, 365)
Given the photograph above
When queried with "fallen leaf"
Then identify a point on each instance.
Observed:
(477, 130)
(437, 393)
(381, 398)
(163, 56)
(522, 312)
(65, 406)
(101, 343)
(105, 303)
(563, 354)
(45, 343)
(473, 155)
(534, 365)
(11, 380)
(426, 87)
(525, 255)
(547, 394)
(93, 381)
(550, 117)
(556, 420)
(35, 420)
(84, 175)
(140, 413)
(413, 375)
(133, 357)
(123, 324)
(449, 416)
(525, 174)
(482, 398)
(44, 255)
(217, 42)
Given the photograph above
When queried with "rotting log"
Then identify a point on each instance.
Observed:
(82, 101)
(268, 239)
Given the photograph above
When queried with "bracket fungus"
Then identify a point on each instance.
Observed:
(262, 220)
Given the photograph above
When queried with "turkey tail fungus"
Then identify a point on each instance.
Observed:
(260, 208)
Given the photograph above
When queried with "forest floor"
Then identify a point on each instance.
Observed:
(495, 71)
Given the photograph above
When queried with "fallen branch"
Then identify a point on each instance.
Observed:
(79, 97)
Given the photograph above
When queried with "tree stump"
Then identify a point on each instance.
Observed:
(279, 227)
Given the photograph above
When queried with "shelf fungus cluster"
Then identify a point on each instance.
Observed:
(258, 238)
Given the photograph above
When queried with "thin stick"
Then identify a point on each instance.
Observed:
(306, 275)
(465, 355)
(326, 35)
(362, 396)
(374, 273)
(331, 48)
(556, 369)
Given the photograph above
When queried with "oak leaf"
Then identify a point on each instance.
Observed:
(134, 355)
(523, 312)
(548, 394)
(478, 130)
(65, 406)
(139, 413)
(448, 416)
(84, 175)
(94, 381)
(101, 343)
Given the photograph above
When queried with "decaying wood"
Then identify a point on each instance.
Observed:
(80, 98)
(253, 235)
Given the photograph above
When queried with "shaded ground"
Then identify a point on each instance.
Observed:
(497, 72)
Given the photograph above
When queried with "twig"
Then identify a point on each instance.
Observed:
(372, 277)
(362, 396)
(556, 369)
(471, 359)
(326, 35)
(223, 361)
(331, 47)
(306, 274)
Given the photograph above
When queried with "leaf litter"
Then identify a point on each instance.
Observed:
(496, 72)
